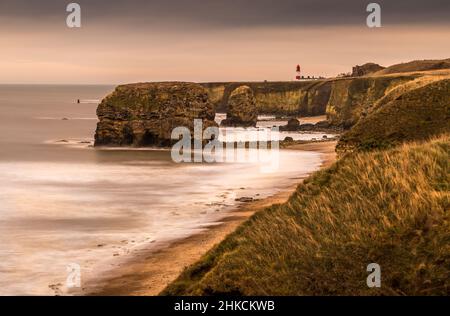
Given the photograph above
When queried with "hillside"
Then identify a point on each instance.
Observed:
(352, 98)
(361, 210)
(416, 65)
(418, 113)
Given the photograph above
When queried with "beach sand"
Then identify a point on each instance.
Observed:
(150, 272)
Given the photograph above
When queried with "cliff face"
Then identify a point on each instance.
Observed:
(343, 100)
(283, 98)
(352, 98)
(417, 114)
(145, 114)
(314, 98)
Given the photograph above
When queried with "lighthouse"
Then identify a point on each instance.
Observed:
(298, 70)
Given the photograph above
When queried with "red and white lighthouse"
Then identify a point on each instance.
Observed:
(298, 71)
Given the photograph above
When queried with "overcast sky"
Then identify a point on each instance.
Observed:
(211, 40)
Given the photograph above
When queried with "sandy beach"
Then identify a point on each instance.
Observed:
(150, 272)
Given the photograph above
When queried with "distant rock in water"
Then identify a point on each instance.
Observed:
(242, 110)
(292, 125)
(144, 114)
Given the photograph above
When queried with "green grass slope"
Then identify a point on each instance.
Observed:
(389, 207)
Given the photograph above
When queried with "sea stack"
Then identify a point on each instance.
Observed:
(144, 114)
(242, 110)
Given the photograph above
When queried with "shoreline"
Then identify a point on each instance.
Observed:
(151, 271)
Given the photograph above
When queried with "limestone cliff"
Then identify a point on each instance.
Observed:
(344, 100)
(280, 98)
(145, 114)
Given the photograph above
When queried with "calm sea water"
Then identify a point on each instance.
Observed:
(63, 202)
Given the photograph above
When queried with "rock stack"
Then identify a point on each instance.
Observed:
(144, 114)
(242, 110)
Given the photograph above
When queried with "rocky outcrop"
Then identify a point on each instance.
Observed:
(366, 69)
(242, 109)
(145, 114)
(294, 125)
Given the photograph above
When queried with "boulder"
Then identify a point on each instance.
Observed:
(307, 127)
(144, 114)
(242, 109)
(292, 125)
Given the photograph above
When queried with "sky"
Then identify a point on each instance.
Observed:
(212, 40)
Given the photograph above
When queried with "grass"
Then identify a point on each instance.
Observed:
(389, 207)
(416, 65)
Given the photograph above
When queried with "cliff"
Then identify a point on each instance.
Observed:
(352, 98)
(417, 114)
(343, 100)
(305, 98)
(145, 114)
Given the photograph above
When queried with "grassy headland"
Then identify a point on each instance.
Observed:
(386, 206)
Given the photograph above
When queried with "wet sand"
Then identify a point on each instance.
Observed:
(151, 271)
